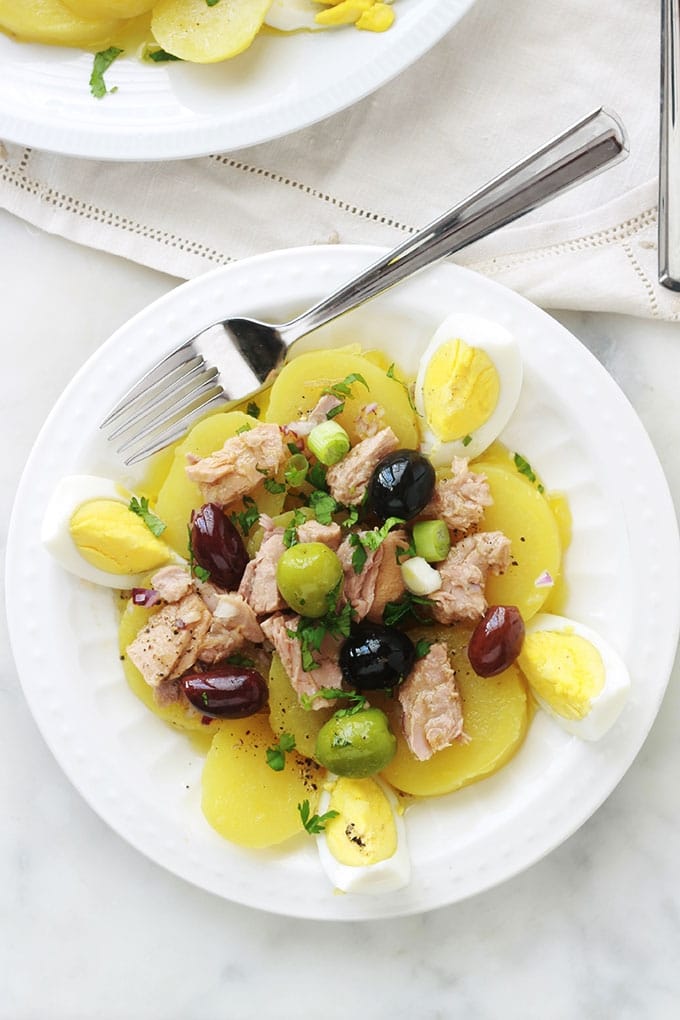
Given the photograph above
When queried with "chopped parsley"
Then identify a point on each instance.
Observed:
(422, 647)
(296, 469)
(391, 374)
(357, 702)
(341, 390)
(141, 507)
(276, 756)
(323, 505)
(195, 569)
(239, 660)
(102, 62)
(466, 440)
(352, 516)
(310, 631)
(315, 823)
(525, 468)
(212, 3)
(408, 605)
(290, 536)
(271, 485)
(249, 516)
(158, 55)
(253, 409)
(243, 428)
(316, 476)
(369, 541)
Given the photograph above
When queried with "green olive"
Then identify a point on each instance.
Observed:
(356, 745)
(306, 574)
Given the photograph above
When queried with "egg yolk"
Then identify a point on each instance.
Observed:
(364, 831)
(112, 538)
(564, 669)
(460, 390)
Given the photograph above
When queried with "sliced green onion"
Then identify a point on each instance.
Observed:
(419, 577)
(296, 470)
(328, 442)
(432, 540)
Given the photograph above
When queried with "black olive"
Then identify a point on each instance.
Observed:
(401, 485)
(226, 692)
(217, 546)
(375, 657)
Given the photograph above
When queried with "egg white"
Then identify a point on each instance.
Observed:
(385, 876)
(71, 492)
(291, 15)
(607, 706)
(503, 349)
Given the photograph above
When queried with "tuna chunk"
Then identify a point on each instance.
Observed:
(348, 479)
(258, 585)
(318, 414)
(461, 499)
(380, 580)
(240, 465)
(290, 652)
(233, 624)
(312, 531)
(168, 645)
(172, 583)
(464, 573)
(432, 712)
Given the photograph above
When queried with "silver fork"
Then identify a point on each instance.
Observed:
(232, 359)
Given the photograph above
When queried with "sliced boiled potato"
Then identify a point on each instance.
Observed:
(109, 8)
(286, 714)
(495, 714)
(192, 30)
(178, 496)
(52, 22)
(522, 513)
(302, 381)
(244, 799)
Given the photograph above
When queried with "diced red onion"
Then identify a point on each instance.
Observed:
(544, 580)
(146, 597)
(370, 408)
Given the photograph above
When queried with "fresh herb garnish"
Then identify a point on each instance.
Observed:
(466, 440)
(357, 702)
(395, 612)
(344, 387)
(239, 660)
(271, 485)
(323, 505)
(317, 823)
(158, 55)
(310, 631)
(391, 374)
(368, 541)
(195, 569)
(290, 536)
(141, 507)
(525, 468)
(352, 516)
(422, 647)
(243, 428)
(249, 516)
(276, 756)
(316, 476)
(102, 62)
(296, 469)
(293, 448)
(253, 409)
(212, 3)
(334, 412)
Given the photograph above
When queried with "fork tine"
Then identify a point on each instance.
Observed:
(174, 407)
(155, 377)
(176, 430)
(178, 387)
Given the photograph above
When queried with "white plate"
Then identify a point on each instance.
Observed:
(171, 111)
(578, 431)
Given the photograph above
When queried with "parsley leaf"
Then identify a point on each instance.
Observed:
(370, 540)
(466, 440)
(315, 823)
(141, 507)
(239, 660)
(243, 428)
(276, 756)
(249, 516)
(212, 3)
(102, 62)
(352, 516)
(344, 387)
(290, 536)
(524, 467)
(323, 505)
(310, 631)
(395, 612)
(253, 409)
(158, 55)
(316, 476)
(391, 374)
(194, 568)
(422, 647)
(271, 485)
(357, 702)
(296, 470)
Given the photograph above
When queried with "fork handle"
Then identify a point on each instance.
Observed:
(588, 147)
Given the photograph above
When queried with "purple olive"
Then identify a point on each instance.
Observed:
(217, 546)
(496, 641)
(226, 692)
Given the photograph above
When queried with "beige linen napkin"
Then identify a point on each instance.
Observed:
(504, 81)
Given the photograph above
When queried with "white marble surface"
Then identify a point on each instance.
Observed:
(91, 929)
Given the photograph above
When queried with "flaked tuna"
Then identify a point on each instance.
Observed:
(319, 413)
(289, 650)
(349, 479)
(233, 624)
(240, 465)
(258, 585)
(168, 645)
(432, 711)
(172, 583)
(460, 500)
(464, 573)
(379, 580)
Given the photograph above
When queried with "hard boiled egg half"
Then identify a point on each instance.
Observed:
(574, 674)
(363, 848)
(91, 532)
(468, 384)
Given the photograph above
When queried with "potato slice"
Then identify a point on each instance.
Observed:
(192, 30)
(286, 714)
(52, 22)
(109, 8)
(495, 714)
(303, 380)
(244, 799)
